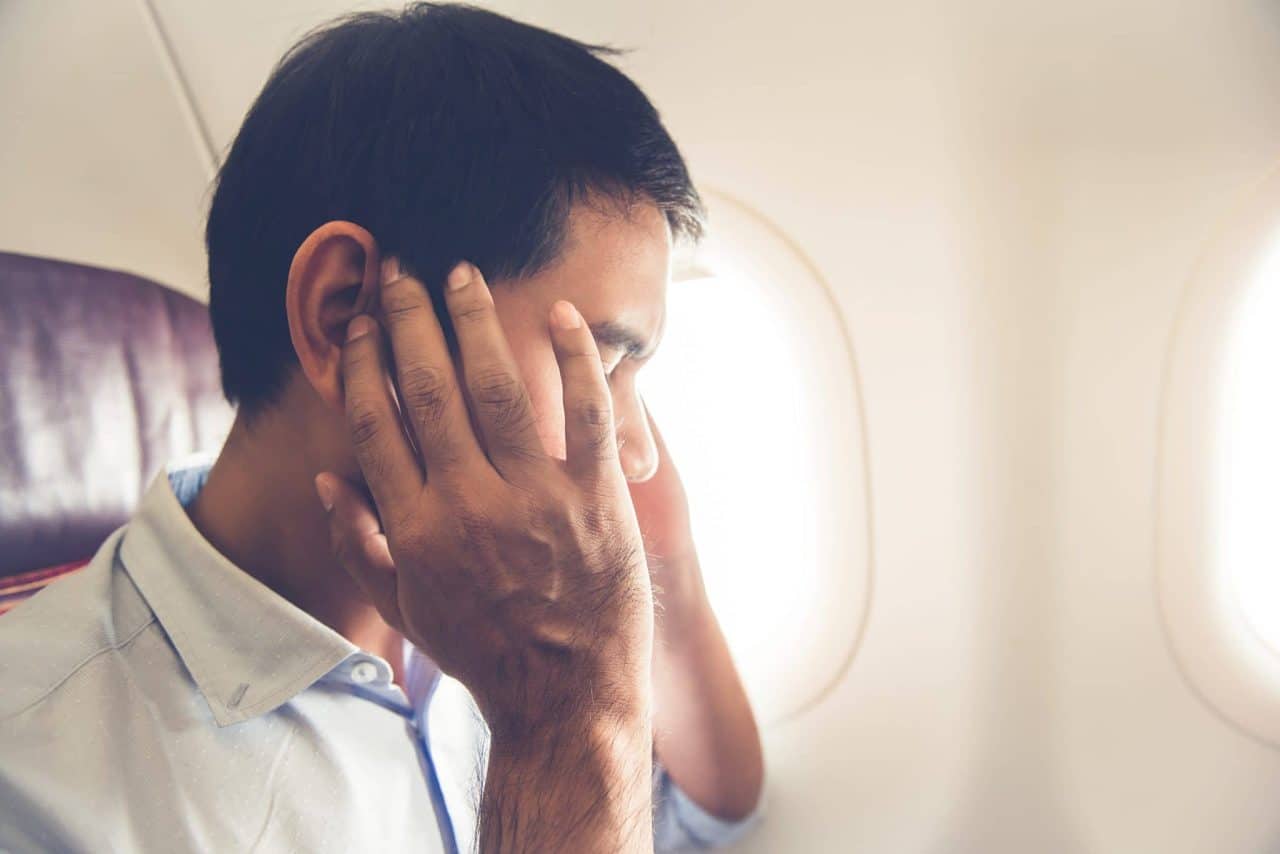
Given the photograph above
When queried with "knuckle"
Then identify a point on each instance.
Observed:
(425, 389)
(367, 430)
(501, 395)
(595, 417)
(586, 353)
(401, 299)
(593, 412)
(470, 312)
(582, 368)
(599, 447)
(496, 386)
(365, 423)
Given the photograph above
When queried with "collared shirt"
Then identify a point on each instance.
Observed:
(162, 699)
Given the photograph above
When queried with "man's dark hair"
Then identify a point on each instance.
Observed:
(448, 132)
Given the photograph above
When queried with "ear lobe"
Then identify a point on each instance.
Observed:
(333, 277)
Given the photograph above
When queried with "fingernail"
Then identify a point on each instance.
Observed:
(361, 324)
(325, 490)
(390, 270)
(564, 315)
(463, 273)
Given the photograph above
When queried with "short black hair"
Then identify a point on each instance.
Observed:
(450, 133)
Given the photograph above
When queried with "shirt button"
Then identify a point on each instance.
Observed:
(364, 671)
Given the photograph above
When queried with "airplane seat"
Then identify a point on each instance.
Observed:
(104, 376)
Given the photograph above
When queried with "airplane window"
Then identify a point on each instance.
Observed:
(1218, 473)
(753, 388)
(1248, 468)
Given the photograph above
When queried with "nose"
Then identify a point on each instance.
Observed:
(637, 451)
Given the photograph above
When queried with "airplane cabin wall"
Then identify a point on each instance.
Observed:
(1006, 201)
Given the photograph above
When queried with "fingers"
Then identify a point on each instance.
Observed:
(590, 435)
(425, 375)
(500, 400)
(382, 449)
(357, 541)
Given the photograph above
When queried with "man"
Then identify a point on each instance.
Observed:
(421, 480)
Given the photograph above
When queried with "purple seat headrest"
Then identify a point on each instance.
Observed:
(104, 376)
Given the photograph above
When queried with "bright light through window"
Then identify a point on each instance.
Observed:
(730, 392)
(754, 388)
(1248, 505)
(1217, 505)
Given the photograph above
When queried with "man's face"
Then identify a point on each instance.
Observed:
(615, 270)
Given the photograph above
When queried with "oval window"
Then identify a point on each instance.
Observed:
(1218, 493)
(754, 388)
(1248, 464)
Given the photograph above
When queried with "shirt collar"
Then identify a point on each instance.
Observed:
(248, 649)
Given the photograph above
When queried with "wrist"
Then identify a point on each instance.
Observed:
(582, 783)
(608, 743)
(591, 697)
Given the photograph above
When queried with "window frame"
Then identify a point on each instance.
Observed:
(742, 241)
(1221, 657)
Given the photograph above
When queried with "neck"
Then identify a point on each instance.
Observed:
(259, 509)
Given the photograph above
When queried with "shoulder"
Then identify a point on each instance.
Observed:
(63, 678)
(47, 641)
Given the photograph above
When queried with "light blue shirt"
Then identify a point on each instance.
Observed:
(161, 699)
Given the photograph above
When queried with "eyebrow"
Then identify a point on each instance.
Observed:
(620, 336)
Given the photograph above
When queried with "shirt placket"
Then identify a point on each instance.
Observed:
(369, 679)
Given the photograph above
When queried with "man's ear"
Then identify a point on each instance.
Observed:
(334, 277)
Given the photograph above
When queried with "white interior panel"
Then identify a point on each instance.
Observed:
(98, 161)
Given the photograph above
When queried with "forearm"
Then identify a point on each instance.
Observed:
(584, 785)
(705, 732)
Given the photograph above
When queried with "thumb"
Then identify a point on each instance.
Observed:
(359, 544)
